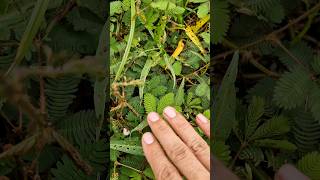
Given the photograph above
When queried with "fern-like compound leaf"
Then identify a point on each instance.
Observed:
(60, 94)
(95, 154)
(306, 130)
(277, 125)
(292, 89)
(315, 102)
(221, 151)
(150, 103)
(166, 100)
(277, 144)
(310, 165)
(221, 20)
(79, 128)
(255, 112)
(253, 154)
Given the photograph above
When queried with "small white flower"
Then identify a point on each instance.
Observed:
(126, 131)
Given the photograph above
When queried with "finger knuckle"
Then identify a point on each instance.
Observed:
(197, 146)
(163, 128)
(179, 153)
(166, 172)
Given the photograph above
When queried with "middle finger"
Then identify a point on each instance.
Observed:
(191, 138)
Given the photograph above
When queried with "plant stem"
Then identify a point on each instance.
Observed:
(243, 145)
(262, 68)
(306, 28)
(126, 53)
(118, 163)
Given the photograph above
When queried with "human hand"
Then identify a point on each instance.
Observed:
(175, 149)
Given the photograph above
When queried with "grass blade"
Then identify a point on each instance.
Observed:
(30, 32)
(225, 102)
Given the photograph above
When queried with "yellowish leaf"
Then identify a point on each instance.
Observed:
(179, 49)
(200, 24)
(194, 39)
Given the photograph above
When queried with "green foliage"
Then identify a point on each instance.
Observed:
(79, 128)
(144, 35)
(309, 165)
(277, 85)
(60, 93)
(150, 103)
(95, 154)
(224, 109)
(221, 20)
(166, 100)
(52, 71)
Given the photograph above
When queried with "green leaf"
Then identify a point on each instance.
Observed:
(130, 38)
(127, 147)
(140, 127)
(178, 10)
(150, 103)
(315, 102)
(3, 6)
(149, 173)
(225, 102)
(310, 165)
(221, 20)
(198, 1)
(179, 99)
(203, 10)
(100, 84)
(255, 112)
(144, 73)
(115, 7)
(276, 144)
(292, 88)
(79, 128)
(32, 29)
(202, 89)
(221, 151)
(206, 37)
(162, 5)
(206, 113)
(177, 67)
(166, 100)
(275, 126)
(168, 64)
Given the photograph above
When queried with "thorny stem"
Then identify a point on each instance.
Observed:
(274, 33)
(42, 99)
(255, 63)
(306, 28)
(7, 119)
(71, 4)
(243, 145)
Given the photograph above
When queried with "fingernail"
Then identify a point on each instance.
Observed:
(148, 138)
(153, 116)
(170, 112)
(202, 118)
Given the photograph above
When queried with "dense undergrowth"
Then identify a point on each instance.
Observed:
(268, 103)
(159, 57)
(51, 117)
